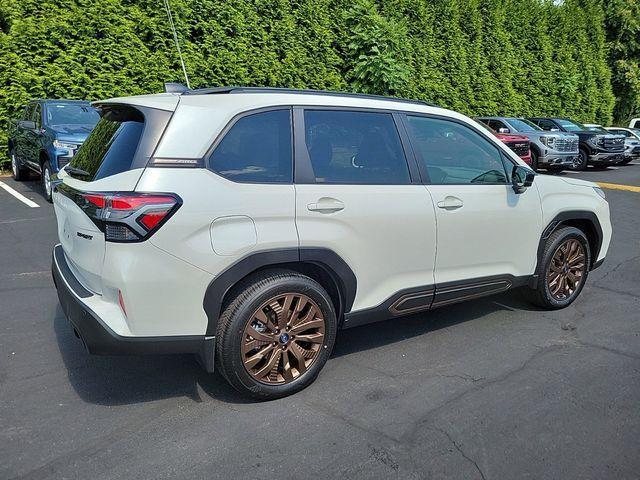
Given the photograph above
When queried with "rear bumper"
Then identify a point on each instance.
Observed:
(99, 339)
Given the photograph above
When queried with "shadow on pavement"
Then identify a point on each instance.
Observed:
(123, 380)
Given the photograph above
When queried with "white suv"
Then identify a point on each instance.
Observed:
(250, 225)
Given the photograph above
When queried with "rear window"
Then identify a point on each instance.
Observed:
(111, 146)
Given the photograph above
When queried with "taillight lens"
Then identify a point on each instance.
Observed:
(126, 217)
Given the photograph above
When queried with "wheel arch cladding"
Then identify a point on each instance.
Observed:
(583, 220)
(323, 265)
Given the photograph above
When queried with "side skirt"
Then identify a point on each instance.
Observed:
(424, 298)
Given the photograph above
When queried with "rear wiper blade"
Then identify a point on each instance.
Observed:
(76, 171)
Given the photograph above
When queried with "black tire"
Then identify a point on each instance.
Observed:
(18, 171)
(542, 295)
(626, 161)
(253, 294)
(46, 181)
(534, 159)
(580, 163)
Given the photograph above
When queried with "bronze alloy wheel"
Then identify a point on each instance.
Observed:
(566, 270)
(283, 338)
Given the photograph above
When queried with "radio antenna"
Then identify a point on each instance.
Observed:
(175, 37)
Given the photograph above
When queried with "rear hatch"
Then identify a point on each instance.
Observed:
(99, 183)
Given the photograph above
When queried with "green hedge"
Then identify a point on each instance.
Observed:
(515, 57)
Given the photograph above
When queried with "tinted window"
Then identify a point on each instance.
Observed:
(546, 124)
(111, 147)
(256, 149)
(354, 147)
(35, 115)
(454, 154)
(28, 110)
(620, 132)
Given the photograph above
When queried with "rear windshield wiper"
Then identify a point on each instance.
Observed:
(76, 171)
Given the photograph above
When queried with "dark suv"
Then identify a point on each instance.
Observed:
(47, 136)
(594, 149)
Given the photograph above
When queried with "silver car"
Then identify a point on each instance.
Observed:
(631, 142)
(550, 150)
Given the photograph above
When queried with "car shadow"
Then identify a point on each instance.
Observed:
(33, 184)
(124, 380)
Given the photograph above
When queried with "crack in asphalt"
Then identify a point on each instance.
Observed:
(459, 449)
(607, 349)
(618, 265)
(427, 416)
(613, 290)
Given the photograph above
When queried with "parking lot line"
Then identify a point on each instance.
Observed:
(616, 186)
(19, 196)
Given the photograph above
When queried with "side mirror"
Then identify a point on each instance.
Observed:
(27, 124)
(521, 178)
(554, 129)
(504, 130)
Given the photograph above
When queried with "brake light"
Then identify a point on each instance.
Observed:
(126, 217)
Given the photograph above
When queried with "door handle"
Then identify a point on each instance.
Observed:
(326, 205)
(450, 203)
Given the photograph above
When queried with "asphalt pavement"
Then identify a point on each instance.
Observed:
(491, 389)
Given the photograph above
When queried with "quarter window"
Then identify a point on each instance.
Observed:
(354, 147)
(257, 149)
(452, 153)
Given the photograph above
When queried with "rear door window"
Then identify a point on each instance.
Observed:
(111, 146)
(257, 149)
(355, 147)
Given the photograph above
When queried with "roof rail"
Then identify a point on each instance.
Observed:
(221, 90)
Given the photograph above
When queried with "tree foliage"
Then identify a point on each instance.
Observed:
(623, 32)
(515, 57)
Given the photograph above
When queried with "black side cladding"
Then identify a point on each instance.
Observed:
(331, 262)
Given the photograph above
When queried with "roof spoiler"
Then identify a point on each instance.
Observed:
(175, 87)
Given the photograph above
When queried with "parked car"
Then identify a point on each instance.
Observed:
(634, 123)
(249, 226)
(631, 142)
(553, 151)
(594, 148)
(518, 143)
(47, 136)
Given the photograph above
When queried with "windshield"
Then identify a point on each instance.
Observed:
(597, 128)
(570, 126)
(71, 114)
(522, 125)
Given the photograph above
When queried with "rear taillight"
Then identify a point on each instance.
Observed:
(125, 217)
